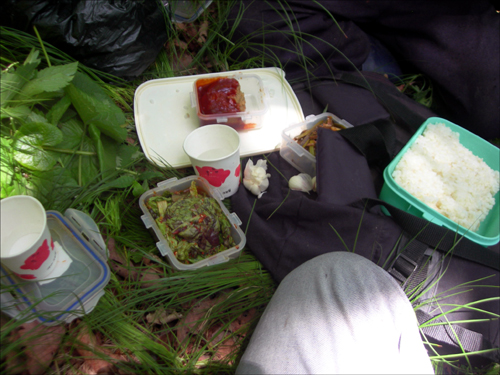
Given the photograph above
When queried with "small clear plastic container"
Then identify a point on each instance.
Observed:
(255, 102)
(297, 155)
(67, 294)
(174, 185)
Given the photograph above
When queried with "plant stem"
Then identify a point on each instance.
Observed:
(65, 151)
(43, 47)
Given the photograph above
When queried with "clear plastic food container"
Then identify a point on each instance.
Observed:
(255, 102)
(174, 185)
(297, 155)
(70, 293)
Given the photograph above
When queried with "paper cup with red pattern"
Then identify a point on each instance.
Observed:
(27, 248)
(214, 152)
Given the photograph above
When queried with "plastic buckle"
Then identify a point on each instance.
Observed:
(402, 268)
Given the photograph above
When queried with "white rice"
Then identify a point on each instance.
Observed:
(448, 177)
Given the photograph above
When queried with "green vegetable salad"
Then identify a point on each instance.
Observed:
(192, 222)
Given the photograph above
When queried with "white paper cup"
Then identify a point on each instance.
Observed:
(214, 151)
(27, 248)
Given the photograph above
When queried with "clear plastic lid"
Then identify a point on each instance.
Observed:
(76, 288)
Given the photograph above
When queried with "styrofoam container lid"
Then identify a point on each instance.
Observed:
(173, 185)
(164, 116)
(73, 293)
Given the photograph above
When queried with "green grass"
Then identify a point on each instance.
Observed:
(239, 286)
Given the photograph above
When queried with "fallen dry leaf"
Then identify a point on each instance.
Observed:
(181, 44)
(113, 253)
(181, 26)
(193, 321)
(162, 316)
(225, 350)
(89, 345)
(150, 278)
(15, 363)
(91, 365)
(243, 320)
(203, 32)
(215, 336)
(118, 263)
(41, 345)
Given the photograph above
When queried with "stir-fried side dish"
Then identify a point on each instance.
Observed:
(309, 137)
(192, 222)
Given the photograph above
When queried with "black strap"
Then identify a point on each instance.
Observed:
(409, 268)
(375, 140)
(389, 96)
(438, 237)
(450, 334)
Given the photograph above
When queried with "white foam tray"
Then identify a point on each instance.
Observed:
(164, 116)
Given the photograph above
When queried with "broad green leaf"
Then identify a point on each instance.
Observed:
(85, 169)
(29, 142)
(95, 107)
(53, 186)
(68, 115)
(37, 116)
(138, 189)
(9, 178)
(33, 157)
(121, 182)
(148, 175)
(50, 79)
(106, 150)
(8, 190)
(20, 112)
(40, 134)
(44, 97)
(12, 83)
(72, 131)
(126, 154)
(55, 113)
(32, 58)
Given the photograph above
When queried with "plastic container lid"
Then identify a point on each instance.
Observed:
(297, 155)
(489, 231)
(164, 116)
(75, 292)
(162, 244)
(186, 10)
(255, 98)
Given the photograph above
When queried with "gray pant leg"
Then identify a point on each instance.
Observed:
(337, 313)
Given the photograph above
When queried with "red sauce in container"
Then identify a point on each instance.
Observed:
(218, 95)
(221, 95)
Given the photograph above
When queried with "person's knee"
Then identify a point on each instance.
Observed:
(338, 262)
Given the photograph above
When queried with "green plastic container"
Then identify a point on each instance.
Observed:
(489, 232)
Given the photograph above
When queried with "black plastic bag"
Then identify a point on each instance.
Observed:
(120, 37)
